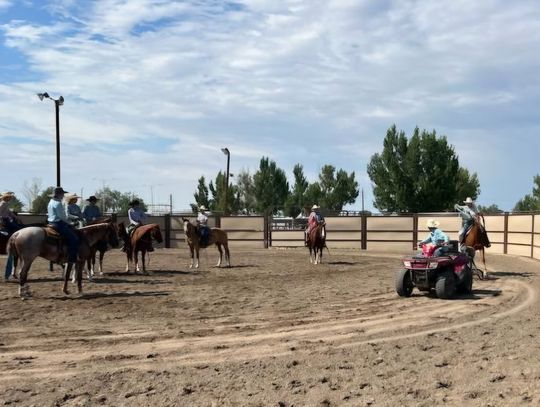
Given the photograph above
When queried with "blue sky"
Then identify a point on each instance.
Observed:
(154, 89)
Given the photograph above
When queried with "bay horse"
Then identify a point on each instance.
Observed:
(28, 243)
(139, 241)
(216, 236)
(316, 242)
(101, 247)
(477, 239)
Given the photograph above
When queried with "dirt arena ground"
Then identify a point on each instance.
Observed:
(272, 330)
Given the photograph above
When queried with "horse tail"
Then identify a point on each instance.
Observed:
(12, 255)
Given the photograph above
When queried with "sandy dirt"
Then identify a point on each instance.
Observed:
(272, 330)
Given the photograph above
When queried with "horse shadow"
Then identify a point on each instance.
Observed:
(105, 280)
(173, 272)
(91, 296)
(343, 263)
(510, 274)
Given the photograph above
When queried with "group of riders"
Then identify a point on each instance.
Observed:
(65, 218)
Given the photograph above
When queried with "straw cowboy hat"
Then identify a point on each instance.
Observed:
(468, 200)
(315, 207)
(71, 196)
(92, 198)
(202, 208)
(432, 223)
(7, 194)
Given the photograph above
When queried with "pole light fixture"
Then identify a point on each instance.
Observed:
(57, 103)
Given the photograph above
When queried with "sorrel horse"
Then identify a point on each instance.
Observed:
(216, 236)
(139, 241)
(101, 247)
(477, 239)
(28, 243)
(316, 242)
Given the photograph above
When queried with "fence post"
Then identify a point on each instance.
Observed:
(167, 221)
(532, 236)
(415, 231)
(505, 239)
(266, 234)
(363, 233)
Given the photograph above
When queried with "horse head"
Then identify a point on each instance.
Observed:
(156, 234)
(112, 234)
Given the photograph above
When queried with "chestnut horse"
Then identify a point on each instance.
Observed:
(28, 243)
(140, 241)
(100, 247)
(316, 241)
(216, 236)
(477, 239)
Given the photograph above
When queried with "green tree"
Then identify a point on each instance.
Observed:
(113, 201)
(297, 200)
(270, 186)
(337, 188)
(15, 205)
(420, 175)
(39, 204)
(201, 196)
(530, 202)
(245, 192)
(489, 210)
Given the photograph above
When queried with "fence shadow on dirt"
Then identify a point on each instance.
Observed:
(511, 273)
(91, 296)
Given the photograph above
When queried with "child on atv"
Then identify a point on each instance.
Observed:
(436, 237)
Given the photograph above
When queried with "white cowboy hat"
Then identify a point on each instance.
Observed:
(68, 197)
(468, 200)
(202, 208)
(6, 194)
(315, 207)
(432, 223)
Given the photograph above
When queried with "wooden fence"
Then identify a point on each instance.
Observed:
(517, 234)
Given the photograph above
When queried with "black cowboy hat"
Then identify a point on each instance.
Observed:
(92, 199)
(134, 202)
(58, 191)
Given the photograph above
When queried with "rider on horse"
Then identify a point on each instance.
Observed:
(137, 217)
(8, 218)
(58, 220)
(315, 218)
(202, 227)
(91, 211)
(468, 213)
(74, 214)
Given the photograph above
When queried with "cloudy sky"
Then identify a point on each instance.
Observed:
(154, 89)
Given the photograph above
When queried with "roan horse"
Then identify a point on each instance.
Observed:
(477, 239)
(216, 236)
(28, 243)
(316, 241)
(140, 241)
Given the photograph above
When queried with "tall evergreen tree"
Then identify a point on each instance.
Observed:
(270, 186)
(530, 202)
(297, 199)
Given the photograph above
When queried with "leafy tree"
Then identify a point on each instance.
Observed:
(201, 196)
(297, 200)
(245, 192)
(113, 201)
(15, 205)
(337, 189)
(270, 186)
(530, 202)
(419, 175)
(217, 190)
(39, 204)
(489, 210)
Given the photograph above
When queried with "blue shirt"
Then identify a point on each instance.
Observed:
(91, 212)
(436, 237)
(467, 213)
(136, 216)
(56, 211)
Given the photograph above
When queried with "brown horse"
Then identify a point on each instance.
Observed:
(217, 236)
(477, 239)
(100, 247)
(139, 241)
(316, 241)
(28, 243)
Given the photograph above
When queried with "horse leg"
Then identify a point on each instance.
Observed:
(227, 254)
(79, 266)
(310, 255)
(66, 278)
(220, 254)
(24, 289)
(197, 257)
(143, 259)
(101, 255)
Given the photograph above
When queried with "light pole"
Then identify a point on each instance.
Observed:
(57, 103)
(226, 151)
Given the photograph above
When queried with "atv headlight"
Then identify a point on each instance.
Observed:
(407, 264)
(433, 264)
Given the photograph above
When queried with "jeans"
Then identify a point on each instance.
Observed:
(72, 239)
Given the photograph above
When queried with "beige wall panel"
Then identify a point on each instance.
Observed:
(237, 234)
(343, 235)
(390, 246)
(244, 245)
(343, 223)
(392, 236)
(536, 253)
(495, 223)
(519, 250)
(449, 224)
(520, 223)
(537, 223)
(522, 238)
(495, 237)
(288, 235)
(389, 223)
(291, 243)
(242, 222)
(496, 249)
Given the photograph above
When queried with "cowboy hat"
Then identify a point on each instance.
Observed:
(92, 198)
(315, 207)
(432, 223)
(202, 208)
(70, 196)
(468, 200)
(58, 191)
(6, 194)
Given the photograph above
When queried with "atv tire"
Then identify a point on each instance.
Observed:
(465, 287)
(404, 284)
(445, 287)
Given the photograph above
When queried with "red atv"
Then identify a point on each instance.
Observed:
(446, 275)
